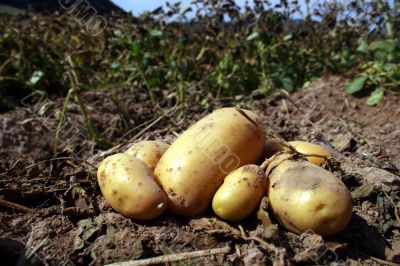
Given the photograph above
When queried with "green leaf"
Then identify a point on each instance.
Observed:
(384, 45)
(204, 102)
(356, 85)
(287, 84)
(287, 37)
(118, 33)
(115, 65)
(156, 33)
(375, 97)
(383, 49)
(362, 46)
(202, 52)
(153, 81)
(253, 36)
(36, 77)
(136, 49)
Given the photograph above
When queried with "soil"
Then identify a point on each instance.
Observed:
(52, 211)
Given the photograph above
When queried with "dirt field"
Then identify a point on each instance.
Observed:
(52, 212)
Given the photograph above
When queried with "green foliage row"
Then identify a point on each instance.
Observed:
(220, 50)
(380, 71)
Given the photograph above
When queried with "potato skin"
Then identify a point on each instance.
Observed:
(304, 197)
(148, 151)
(130, 188)
(194, 166)
(240, 193)
(311, 148)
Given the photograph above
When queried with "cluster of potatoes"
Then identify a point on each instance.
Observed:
(216, 162)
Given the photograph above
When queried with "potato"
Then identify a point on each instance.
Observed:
(194, 166)
(240, 193)
(304, 197)
(148, 151)
(310, 148)
(130, 188)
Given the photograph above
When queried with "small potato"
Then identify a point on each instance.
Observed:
(304, 197)
(195, 165)
(148, 151)
(240, 193)
(129, 187)
(310, 148)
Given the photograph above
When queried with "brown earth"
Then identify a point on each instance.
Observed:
(52, 212)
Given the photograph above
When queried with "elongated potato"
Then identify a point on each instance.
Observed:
(310, 148)
(304, 197)
(130, 188)
(148, 151)
(194, 166)
(240, 193)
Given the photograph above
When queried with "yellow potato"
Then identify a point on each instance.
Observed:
(240, 193)
(310, 148)
(304, 197)
(195, 165)
(148, 151)
(130, 188)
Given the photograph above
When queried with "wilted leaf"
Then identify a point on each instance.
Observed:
(262, 212)
(356, 85)
(363, 191)
(86, 229)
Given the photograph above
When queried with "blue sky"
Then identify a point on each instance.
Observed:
(139, 6)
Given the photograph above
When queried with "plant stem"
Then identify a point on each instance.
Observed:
(149, 89)
(95, 135)
(124, 113)
(61, 120)
(174, 257)
(396, 14)
(388, 23)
